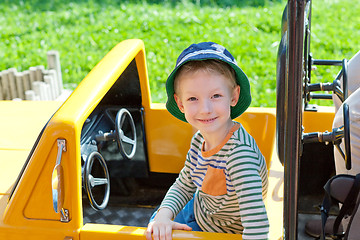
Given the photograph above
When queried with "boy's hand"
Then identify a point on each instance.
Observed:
(161, 228)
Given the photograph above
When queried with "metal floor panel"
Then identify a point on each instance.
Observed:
(119, 215)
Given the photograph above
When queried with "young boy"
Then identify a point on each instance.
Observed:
(224, 181)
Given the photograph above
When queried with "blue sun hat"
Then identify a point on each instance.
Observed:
(205, 51)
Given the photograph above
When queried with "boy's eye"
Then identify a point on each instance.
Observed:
(216, 95)
(191, 99)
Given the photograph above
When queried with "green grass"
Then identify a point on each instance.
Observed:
(84, 31)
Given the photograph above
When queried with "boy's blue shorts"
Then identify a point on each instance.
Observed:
(185, 216)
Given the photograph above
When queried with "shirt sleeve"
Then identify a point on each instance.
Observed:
(181, 191)
(245, 169)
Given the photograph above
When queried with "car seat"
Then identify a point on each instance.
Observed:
(344, 189)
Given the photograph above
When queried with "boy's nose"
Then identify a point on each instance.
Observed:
(206, 107)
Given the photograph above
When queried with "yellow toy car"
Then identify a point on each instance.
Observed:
(96, 166)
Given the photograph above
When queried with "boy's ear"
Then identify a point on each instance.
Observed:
(235, 96)
(179, 102)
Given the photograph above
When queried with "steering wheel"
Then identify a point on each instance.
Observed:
(346, 127)
(127, 145)
(91, 182)
(347, 135)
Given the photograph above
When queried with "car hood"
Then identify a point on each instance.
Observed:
(20, 125)
(11, 162)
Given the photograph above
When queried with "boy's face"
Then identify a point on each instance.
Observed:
(205, 99)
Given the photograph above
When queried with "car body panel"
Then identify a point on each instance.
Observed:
(259, 122)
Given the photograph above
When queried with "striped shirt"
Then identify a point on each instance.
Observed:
(228, 184)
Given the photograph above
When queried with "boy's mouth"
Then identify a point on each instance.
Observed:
(209, 120)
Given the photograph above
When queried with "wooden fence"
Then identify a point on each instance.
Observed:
(37, 83)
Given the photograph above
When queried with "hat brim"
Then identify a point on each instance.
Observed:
(241, 79)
